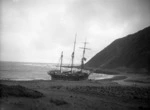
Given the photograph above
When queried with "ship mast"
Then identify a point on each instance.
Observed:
(83, 56)
(61, 60)
(73, 53)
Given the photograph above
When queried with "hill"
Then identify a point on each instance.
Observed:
(131, 52)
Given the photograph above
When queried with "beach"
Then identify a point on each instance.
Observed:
(107, 94)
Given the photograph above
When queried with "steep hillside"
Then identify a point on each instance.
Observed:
(132, 51)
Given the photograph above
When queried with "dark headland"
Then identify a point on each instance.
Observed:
(128, 59)
(129, 54)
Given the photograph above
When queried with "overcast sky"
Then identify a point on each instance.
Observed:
(38, 30)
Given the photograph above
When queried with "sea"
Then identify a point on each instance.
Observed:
(24, 71)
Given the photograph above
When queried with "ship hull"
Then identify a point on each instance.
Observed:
(67, 76)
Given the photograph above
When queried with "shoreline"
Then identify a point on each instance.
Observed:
(104, 94)
(122, 77)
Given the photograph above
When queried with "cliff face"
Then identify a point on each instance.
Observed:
(132, 51)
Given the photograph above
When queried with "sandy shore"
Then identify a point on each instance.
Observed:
(79, 95)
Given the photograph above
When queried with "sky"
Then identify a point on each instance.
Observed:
(38, 30)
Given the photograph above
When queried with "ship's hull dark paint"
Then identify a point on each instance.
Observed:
(70, 77)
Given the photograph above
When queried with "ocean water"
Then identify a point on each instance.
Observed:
(34, 71)
(25, 71)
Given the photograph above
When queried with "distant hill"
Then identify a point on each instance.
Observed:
(130, 52)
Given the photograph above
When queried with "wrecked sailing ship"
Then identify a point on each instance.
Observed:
(71, 75)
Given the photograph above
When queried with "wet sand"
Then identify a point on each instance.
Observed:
(107, 94)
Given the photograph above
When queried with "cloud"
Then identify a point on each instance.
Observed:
(38, 30)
